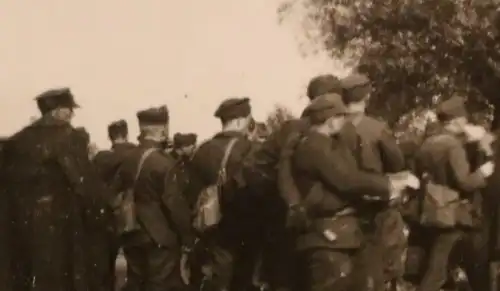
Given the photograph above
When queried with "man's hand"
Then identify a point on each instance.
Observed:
(487, 169)
(474, 133)
(485, 144)
(400, 181)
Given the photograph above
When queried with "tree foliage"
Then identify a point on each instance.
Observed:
(415, 51)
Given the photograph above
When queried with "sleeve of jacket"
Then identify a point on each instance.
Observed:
(70, 160)
(392, 156)
(261, 166)
(177, 205)
(338, 170)
(466, 180)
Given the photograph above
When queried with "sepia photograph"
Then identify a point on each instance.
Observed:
(249, 145)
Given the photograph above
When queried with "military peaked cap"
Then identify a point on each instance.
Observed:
(323, 84)
(233, 108)
(356, 87)
(153, 116)
(324, 107)
(183, 140)
(118, 128)
(55, 98)
(355, 80)
(451, 108)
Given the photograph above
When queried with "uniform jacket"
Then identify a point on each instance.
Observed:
(328, 177)
(205, 166)
(108, 162)
(44, 182)
(444, 158)
(373, 145)
(161, 209)
(182, 167)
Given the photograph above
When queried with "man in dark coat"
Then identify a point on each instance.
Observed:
(443, 159)
(184, 145)
(260, 172)
(235, 116)
(332, 186)
(376, 151)
(97, 217)
(107, 163)
(5, 248)
(153, 249)
(45, 188)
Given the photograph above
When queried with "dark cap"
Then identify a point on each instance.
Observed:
(323, 84)
(118, 128)
(451, 108)
(184, 139)
(55, 98)
(356, 87)
(324, 107)
(233, 108)
(153, 116)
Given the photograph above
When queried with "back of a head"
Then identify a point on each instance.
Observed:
(356, 89)
(153, 123)
(323, 84)
(324, 107)
(118, 129)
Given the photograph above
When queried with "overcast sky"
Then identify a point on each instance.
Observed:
(119, 56)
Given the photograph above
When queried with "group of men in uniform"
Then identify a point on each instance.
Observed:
(326, 202)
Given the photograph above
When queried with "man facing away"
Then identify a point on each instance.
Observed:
(443, 159)
(222, 241)
(260, 171)
(44, 183)
(107, 163)
(154, 246)
(332, 186)
(184, 145)
(376, 151)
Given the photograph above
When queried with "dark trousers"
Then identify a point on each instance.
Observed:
(213, 262)
(279, 263)
(114, 248)
(436, 274)
(476, 259)
(152, 268)
(380, 261)
(101, 256)
(326, 270)
(246, 259)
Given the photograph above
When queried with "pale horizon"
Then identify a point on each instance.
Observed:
(120, 56)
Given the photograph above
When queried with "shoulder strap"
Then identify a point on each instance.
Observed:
(144, 156)
(225, 158)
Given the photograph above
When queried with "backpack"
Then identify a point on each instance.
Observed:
(207, 209)
(125, 211)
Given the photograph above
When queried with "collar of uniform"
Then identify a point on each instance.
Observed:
(122, 145)
(147, 143)
(229, 133)
(48, 120)
(315, 136)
